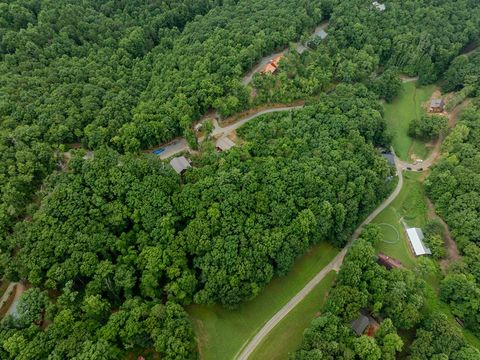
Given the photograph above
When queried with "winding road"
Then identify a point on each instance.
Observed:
(335, 265)
(181, 145)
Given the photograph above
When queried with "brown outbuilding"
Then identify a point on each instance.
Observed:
(388, 262)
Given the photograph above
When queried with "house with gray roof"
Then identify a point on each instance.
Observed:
(360, 324)
(224, 144)
(180, 164)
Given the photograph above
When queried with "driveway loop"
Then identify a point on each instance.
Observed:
(396, 231)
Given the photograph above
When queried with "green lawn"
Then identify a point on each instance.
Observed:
(398, 114)
(222, 333)
(287, 335)
(412, 207)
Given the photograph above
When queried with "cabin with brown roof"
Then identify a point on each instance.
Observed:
(272, 66)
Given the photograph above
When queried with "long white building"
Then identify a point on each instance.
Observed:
(415, 235)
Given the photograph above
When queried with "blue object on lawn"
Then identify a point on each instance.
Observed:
(158, 151)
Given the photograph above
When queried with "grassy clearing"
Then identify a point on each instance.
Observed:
(221, 333)
(398, 114)
(287, 335)
(411, 205)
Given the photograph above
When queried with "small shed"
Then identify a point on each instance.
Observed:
(388, 262)
(360, 324)
(198, 127)
(180, 164)
(379, 6)
(415, 236)
(224, 144)
(437, 105)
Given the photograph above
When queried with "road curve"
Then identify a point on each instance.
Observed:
(181, 145)
(335, 264)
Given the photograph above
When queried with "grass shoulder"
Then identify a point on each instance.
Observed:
(221, 333)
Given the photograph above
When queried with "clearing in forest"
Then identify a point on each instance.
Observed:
(411, 206)
(398, 114)
(221, 333)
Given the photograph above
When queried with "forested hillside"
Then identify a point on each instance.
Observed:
(122, 233)
(418, 38)
(114, 245)
(127, 75)
(455, 188)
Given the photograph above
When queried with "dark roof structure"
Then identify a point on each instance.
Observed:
(360, 324)
(389, 157)
(388, 262)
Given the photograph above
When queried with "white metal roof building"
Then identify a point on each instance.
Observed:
(415, 235)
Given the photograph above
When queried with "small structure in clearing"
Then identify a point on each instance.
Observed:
(388, 262)
(198, 127)
(180, 164)
(415, 235)
(389, 157)
(437, 105)
(224, 144)
(379, 6)
(272, 65)
(365, 323)
(360, 324)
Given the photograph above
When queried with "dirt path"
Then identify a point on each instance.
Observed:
(19, 291)
(450, 245)
(335, 265)
(435, 153)
(7, 291)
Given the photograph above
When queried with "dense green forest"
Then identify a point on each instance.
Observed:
(454, 185)
(397, 297)
(114, 246)
(123, 233)
(418, 38)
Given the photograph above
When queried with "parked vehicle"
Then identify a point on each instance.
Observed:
(158, 151)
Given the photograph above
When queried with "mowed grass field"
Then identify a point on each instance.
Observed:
(286, 337)
(411, 206)
(398, 114)
(221, 333)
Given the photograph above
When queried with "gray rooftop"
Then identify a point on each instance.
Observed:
(390, 158)
(436, 102)
(360, 324)
(225, 144)
(180, 164)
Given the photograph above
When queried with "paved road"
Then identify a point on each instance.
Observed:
(173, 148)
(335, 264)
(228, 129)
